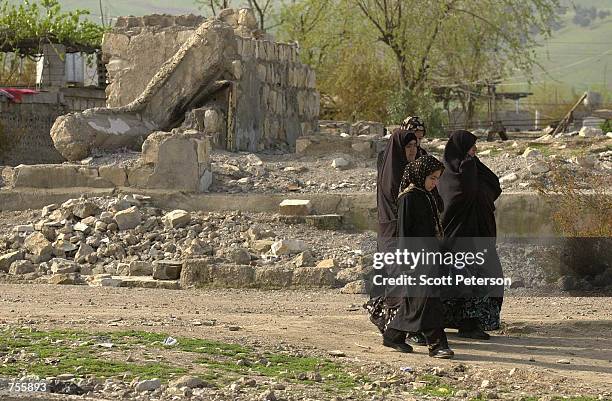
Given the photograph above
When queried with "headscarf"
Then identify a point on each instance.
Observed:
(414, 179)
(457, 147)
(417, 171)
(413, 123)
(391, 165)
(390, 170)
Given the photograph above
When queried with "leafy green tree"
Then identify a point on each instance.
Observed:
(26, 26)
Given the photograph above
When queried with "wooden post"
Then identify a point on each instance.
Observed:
(565, 121)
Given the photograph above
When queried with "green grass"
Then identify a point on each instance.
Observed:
(67, 351)
(434, 387)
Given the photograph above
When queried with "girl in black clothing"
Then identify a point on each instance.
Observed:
(418, 216)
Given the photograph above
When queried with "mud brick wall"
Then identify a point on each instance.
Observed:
(24, 133)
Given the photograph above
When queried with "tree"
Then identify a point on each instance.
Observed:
(34, 23)
(262, 8)
(415, 30)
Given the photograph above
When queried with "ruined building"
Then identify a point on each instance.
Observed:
(218, 77)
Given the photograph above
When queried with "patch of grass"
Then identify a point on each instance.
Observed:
(72, 352)
(579, 398)
(437, 390)
(65, 351)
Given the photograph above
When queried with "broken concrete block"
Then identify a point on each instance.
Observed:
(327, 264)
(167, 269)
(194, 273)
(287, 247)
(114, 174)
(21, 267)
(128, 218)
(176, 219)
(325, 221)
(295, 207)
(261, 245)
(340, 163)
(233, 276)
(273, 277)
(140, 268)
(190, 74)
(37, 244)
(8, 258)
(83, 252)
(62, 266)
(63, 279)
(313, 277)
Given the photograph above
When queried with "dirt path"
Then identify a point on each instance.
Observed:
(538, 333)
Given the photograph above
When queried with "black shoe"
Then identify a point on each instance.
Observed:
(400, 347)
(417, 338)
(477, 334)
(442, 353)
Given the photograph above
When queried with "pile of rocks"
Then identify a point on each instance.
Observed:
(96, 239)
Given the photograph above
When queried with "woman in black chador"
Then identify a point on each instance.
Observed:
(469, 189)
(418, 217)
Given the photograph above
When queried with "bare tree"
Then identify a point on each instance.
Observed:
(262, 8)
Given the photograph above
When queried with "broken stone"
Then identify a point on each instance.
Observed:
(590, 132)
(63, 266)
(83, 252)
(189, 382)
(287, 247)
(273, 277)
(194, 273)
(354, 287)
(295, 207)
(232, 276)
(85, 209)
(128, 218)
(39, 246)
(325, 221)
(538, 167)
(531, 153)
(147, 385)
(167, 269)
(80, 226)
(239, 256)
(8, 258)
(304, 259)
(340, 163)
(176, 219)
(21, 267)
(62, 279)
(262, 245)
(327, 264)
(139, 268)
(508, 178)
(313, 277)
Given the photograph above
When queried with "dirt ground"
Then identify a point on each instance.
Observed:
(559, 346)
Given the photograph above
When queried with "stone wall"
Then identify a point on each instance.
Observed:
(24, 133)
(24, 127)
(271, 99)
(276, 97)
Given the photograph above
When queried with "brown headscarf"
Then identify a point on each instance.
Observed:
(390, 170)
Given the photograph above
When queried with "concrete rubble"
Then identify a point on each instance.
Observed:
(217, 76)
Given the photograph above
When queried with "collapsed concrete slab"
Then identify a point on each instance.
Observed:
(182, 83)
(222, 77)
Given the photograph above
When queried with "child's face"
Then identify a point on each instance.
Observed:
(432, 180)
(419, 134)
(472, 151)
(411, 151)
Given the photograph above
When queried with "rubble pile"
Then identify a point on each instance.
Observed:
(93, 240)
